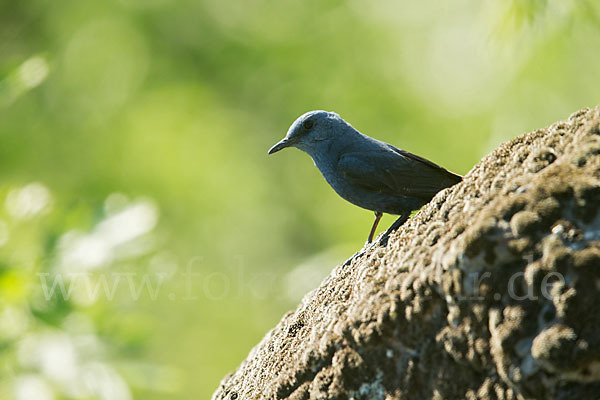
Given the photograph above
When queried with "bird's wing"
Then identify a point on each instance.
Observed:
(396, 172)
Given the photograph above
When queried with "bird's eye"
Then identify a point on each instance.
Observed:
(307, 124)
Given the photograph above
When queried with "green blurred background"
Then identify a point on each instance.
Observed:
(133, 139)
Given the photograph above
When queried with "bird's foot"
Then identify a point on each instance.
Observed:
(367, 246)
(358, 254)
(383, 241)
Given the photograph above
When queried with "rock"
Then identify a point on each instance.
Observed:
(492, 291)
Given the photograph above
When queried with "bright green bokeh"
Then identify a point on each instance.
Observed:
(133, 166)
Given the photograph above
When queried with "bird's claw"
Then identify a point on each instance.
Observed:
(383, 240)
(368, 246)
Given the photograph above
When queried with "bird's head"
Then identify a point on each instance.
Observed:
(310, 131)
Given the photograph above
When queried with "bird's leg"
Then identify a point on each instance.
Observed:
(360, 253)
(378, 216)
(383, 241)
(397, 224)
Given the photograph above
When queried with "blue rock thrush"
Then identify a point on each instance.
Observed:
(365, 171)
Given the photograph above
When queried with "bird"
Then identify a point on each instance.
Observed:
(367, 172)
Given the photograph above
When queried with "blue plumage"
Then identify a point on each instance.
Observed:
(365, 171)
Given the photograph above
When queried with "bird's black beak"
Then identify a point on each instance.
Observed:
(282, 144)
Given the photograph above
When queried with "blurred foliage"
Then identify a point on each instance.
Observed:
(133, 168)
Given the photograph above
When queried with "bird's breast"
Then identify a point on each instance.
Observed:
(343, 187)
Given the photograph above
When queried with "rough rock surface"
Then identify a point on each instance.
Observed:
(492, 291)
